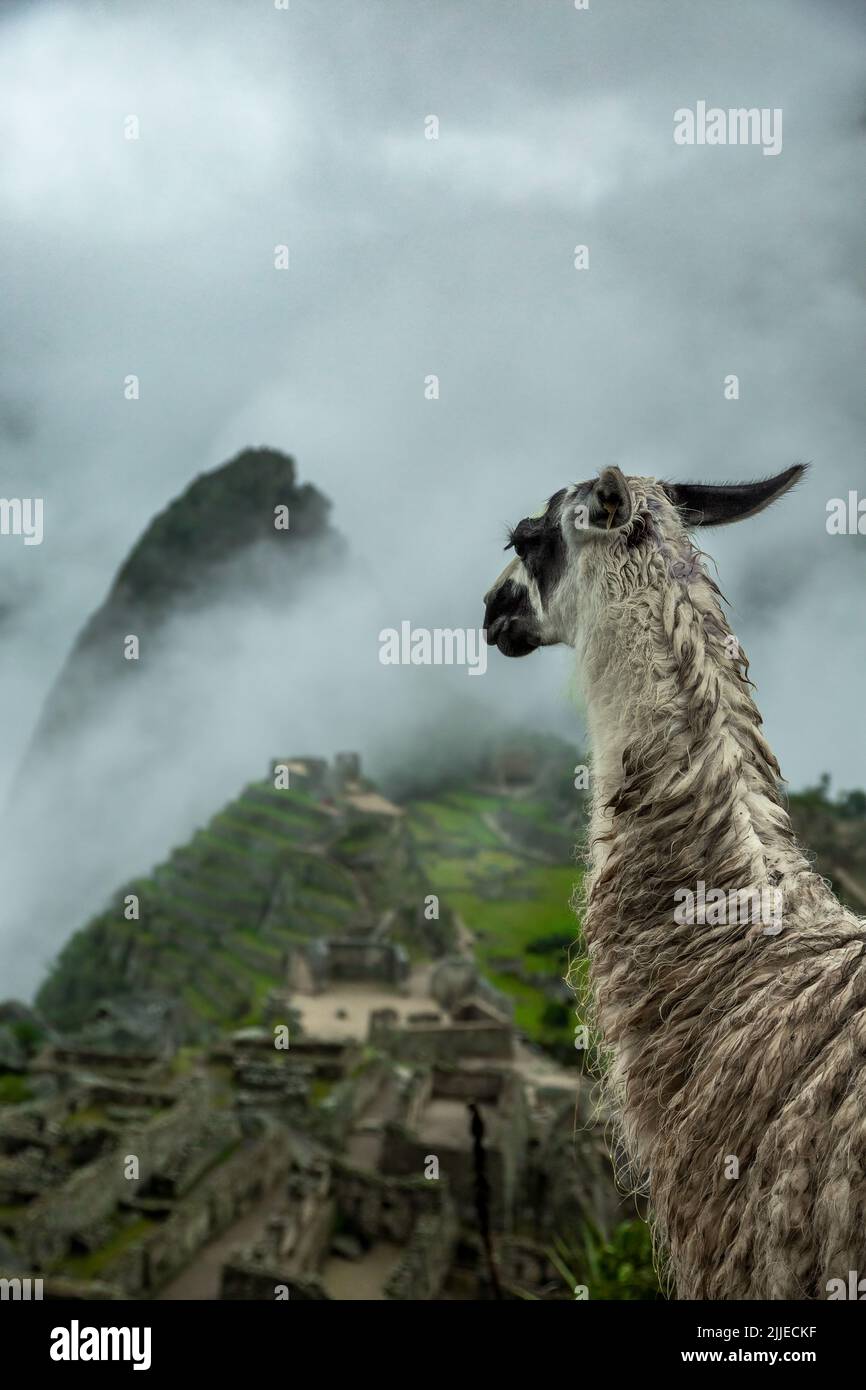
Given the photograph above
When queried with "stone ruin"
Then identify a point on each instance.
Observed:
(337, 1134)
(316, 775)
(313, 966)
(435, 1119)
(337, 1213)
(340, 1134)
(426, 1038)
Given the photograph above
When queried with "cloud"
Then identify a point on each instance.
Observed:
(410, 257)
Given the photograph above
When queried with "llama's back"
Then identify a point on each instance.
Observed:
(759, 1178)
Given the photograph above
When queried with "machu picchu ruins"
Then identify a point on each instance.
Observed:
(253, 1074)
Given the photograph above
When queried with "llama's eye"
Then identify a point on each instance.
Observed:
(522, 539)
(517, 543)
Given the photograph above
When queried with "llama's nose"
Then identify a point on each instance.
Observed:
(493, 629)
(494, 613)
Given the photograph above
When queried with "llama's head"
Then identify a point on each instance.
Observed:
(598, 541)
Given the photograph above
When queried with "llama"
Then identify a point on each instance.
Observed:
(734, 1050)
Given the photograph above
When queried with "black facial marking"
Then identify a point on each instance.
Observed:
(509, 621)
(510, 600)
(539, 543)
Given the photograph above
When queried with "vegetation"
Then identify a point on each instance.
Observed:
(13, 1088)
(617, 1268)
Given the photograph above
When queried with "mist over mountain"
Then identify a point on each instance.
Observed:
(113, 762)
(249, 515)
(253, 640)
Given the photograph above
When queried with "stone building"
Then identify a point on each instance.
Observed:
(313, 966)
(436, 1121)
(430, 1039)
(341, 1227)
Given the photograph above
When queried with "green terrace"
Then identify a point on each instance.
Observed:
(517, 908)
(274, 868)
(218, 916)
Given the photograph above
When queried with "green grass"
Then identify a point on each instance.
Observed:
(89, 1115)
(184, 1060)
(477, 873)
(204, 914)
(200, 1005)
(90, 1266)
(218, 843)
(254, 836)
(294, 797)
(325, 900)
(257, 977)
(535, 811)
(311, 922)
(474, 802)
(261, 943)
(423, 832)
(281, 818)
(448, 872)
(209, 888)
(511, 924)
(14, 1089)
(455, 821)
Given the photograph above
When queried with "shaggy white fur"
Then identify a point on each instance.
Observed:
(735, 1059)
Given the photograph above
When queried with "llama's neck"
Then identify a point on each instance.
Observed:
(684, 793)
(681, 770)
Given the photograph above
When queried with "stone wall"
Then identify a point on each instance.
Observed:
(380, 962)
(247, 1282)
(218, 1200)
(424, 1264)
(507, 1131)
(80, 1213)
(447, 1042)
(484, 1087)
(412, 1212)
(417, 1213)
(313, 966)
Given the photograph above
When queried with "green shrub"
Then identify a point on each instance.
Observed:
(618, 1268)
(14, 1088)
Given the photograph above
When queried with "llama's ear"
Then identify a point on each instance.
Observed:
(708, 504)
(609, 502)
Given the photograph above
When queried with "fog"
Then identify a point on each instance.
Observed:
(408, 257)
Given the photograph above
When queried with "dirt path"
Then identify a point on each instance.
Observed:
(201, 1279)
(361, 1279)
(511, 843)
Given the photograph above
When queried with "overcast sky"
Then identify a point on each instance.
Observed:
(410, 257)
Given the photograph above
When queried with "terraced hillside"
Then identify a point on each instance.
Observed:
(276, 867)
(214, 922)
(505, 865)
(211, 926)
